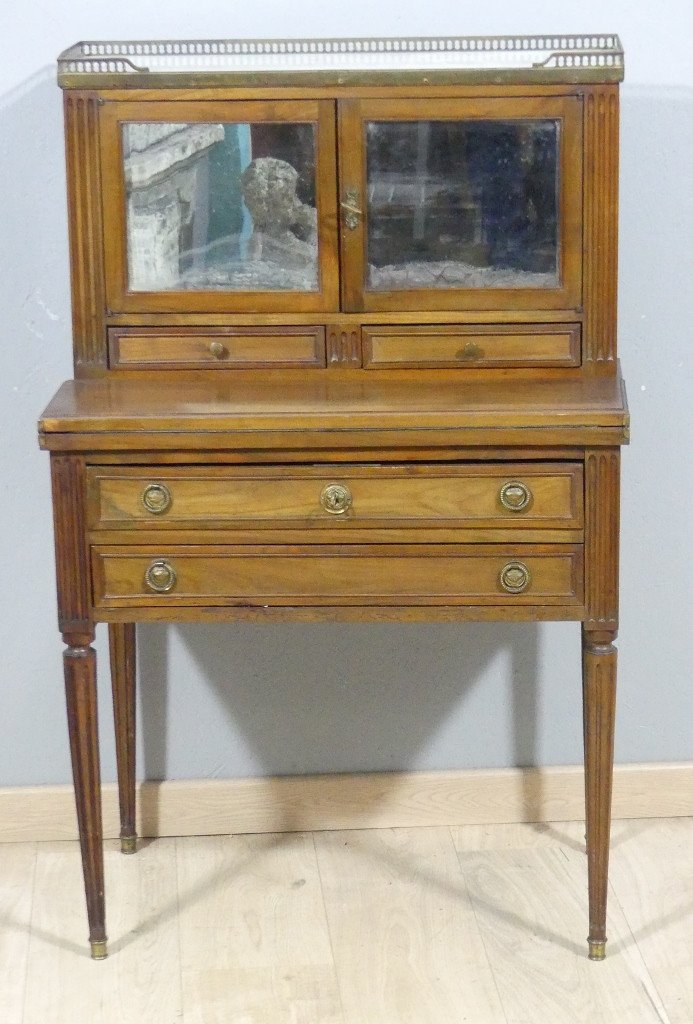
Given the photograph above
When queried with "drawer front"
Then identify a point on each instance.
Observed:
(523, 495)
(455, 346)
(332, 575)
(201, 347)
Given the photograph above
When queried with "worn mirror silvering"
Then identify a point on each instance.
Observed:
(220, 206)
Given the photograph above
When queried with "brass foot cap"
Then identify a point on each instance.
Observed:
(597, 949)
(128, 844)
(99, 949)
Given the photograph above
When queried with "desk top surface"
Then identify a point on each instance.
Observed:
(125, 408)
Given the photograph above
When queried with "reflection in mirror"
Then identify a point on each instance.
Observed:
(220, 206)
(462, 204)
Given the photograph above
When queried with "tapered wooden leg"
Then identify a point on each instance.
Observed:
(122, 647)
(80, 689)
(599, 704)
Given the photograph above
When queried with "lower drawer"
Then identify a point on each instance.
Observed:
(334, 575)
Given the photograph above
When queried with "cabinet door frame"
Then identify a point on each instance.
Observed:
(122, 300)
(568, 110)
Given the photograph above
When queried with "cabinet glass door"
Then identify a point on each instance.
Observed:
(220, 206)
(473, 206)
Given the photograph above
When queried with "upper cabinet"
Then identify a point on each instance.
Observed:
(461, 204)
(443, 204)
(220, 206)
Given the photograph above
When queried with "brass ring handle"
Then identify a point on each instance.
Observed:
(336, 498)
(515, 496)
(157, 499)
(515, 577)
(160, 576)
(217, 349)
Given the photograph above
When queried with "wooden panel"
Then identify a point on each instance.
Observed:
(71, 557)
(601, 223)
(315, 575)
(120, 299)
(254, 943)
(344, 344)
(354, 113)
(460, 345)
(406, 941)
(142, 981)
(86, 229)
(528, 904)
(602, 490)
(358, 800)
(381, 496)
(218, 347)
(17, 875)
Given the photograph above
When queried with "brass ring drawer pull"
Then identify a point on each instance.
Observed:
(157, 499)
(336, 498)
(515, 577)
(160, 576)
(515, 496)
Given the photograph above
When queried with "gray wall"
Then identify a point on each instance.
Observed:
(223, 701)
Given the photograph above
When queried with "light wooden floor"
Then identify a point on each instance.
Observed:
(423, 925)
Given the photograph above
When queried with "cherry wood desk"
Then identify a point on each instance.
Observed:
(386, 390)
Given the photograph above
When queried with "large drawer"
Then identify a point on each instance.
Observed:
(538, 495)
(336, 575)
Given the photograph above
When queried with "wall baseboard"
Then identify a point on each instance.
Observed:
(378, 800)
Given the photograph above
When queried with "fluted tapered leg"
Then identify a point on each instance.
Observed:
(599, 704)
(80, 689)
(122, 647)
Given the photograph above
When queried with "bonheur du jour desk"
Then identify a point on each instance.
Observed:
(344, 344)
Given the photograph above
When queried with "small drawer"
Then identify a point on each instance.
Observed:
(202, 347)
(511, 496)
(455, 346)
(316, 575)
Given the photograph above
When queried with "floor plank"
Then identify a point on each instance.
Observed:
(140, 980)
(406, 943)
(17, 867)
(530, 902)
(652, 876)
(483, 924)
(254, 942)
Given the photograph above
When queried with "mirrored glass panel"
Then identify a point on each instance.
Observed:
(462, 204)
(220, 206)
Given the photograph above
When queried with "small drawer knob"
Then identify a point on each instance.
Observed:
(336, 498)
(515, 496)
(515, 577)
(157, 499)
(217, 349)
(160, 576)
(470, 351)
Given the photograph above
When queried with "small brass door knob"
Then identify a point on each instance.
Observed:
(515, 496)
(336, 498)
(470, 351)
(515, 577)
(217, 349)
(160, 576)
(157, 499)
